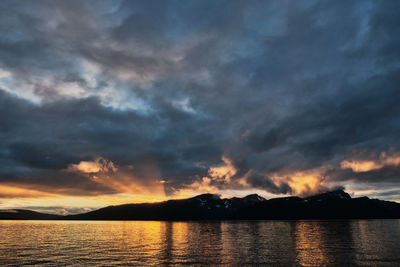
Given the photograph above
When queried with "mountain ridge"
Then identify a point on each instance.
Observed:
(335, 204)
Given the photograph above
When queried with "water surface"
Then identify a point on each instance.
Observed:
(140, 243)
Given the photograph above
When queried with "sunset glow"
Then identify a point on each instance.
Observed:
(128, 101)
(369, 165)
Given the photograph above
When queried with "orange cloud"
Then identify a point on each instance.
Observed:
(16, 191)
(369, 165)
(360, 166)
(122, 180)
(223, 172)
(98, 165)
(198, 187)
(303, 183)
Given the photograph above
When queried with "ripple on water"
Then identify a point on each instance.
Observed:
(275, 243)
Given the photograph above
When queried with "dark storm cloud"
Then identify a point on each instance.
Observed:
(276, 87)
(264, 183)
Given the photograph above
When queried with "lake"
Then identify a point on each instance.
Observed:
(229, 243)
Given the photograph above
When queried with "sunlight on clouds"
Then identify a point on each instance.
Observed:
(98, 165)
(14, 191)
(303, 183)
(391, 160)
(360, 166)
(223, 172)
(105, 172)
(20, 195)
(228, 193)
(219, 181)
(124, 183)
(87, 202)
(198, 187)
(369, 165)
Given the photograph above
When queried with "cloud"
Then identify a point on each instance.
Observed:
(360, 166)
(17, 191)
(213, 95)
(369, 165)
(98, 165)
(223, 172)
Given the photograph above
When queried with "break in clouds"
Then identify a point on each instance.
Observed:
(181, 97)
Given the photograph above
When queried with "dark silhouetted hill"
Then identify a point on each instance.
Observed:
(18, 214)
(330, 205)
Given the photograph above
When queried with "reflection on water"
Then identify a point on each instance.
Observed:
(319, 243)
(270, 243)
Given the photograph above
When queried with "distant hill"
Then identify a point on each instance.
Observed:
(330, 205)
(18, 214)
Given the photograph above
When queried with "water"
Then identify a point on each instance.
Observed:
(263, 243)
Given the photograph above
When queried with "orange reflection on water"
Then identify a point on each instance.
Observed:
(310, 244)
(236, 243)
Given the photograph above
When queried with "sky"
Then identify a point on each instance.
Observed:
(110, 102)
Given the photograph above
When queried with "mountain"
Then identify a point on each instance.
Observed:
(330, 205)
(202, 207)
(18, 214)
